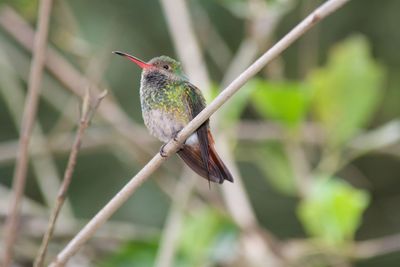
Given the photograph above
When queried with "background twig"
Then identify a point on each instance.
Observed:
(174, 221)
(43, 164)
(133, 135)
(73, 80)
(185, 42)
(376, 247)
(87, 113)
(28, 119)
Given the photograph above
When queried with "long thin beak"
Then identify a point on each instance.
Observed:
(138, 62)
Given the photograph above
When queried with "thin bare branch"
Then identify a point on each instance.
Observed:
(57, 144)
(308, 47)
(361, 250)
(87, 113)
(44, 165)
(28, 120)
(104, 214)
(261, 131)
(299, 164)
(134, 133)
(376, 247)
(170, 234)
(377, 139)
(187, 47)
(28, 207)
(67, 74)
(209, 37)
(262, 20)
(246, 53)
(258, 249)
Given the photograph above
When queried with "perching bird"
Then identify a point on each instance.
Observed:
(169, 102)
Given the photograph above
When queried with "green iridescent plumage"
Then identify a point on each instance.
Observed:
(169, 101)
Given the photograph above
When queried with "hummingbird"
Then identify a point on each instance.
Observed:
(169, 102)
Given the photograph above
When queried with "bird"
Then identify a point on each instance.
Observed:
(169, 101)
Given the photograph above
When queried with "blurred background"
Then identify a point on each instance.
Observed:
(313, 140)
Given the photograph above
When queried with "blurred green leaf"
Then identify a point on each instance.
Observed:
(333, 210)
(133, 254)
(277, 169)
(207, 235)
(285, 102)
(346, 90)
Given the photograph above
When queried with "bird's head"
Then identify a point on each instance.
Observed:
(163, 64)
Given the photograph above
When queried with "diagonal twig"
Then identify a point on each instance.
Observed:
(180, 27)
(376, 247)
(133, 134)
(87, 113)
(28, 119)
(169, 239)
(105, 213)
(43, 164)
(68, 75)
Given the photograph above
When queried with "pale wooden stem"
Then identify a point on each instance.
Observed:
(185, 42)
(87, 113)
(28, 120)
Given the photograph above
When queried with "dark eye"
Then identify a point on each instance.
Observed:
(166, 67)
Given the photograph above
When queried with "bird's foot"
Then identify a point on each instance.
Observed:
(162, 152)
(175, 136)
(175, 139)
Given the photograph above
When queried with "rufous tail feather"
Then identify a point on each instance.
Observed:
(217, 171)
